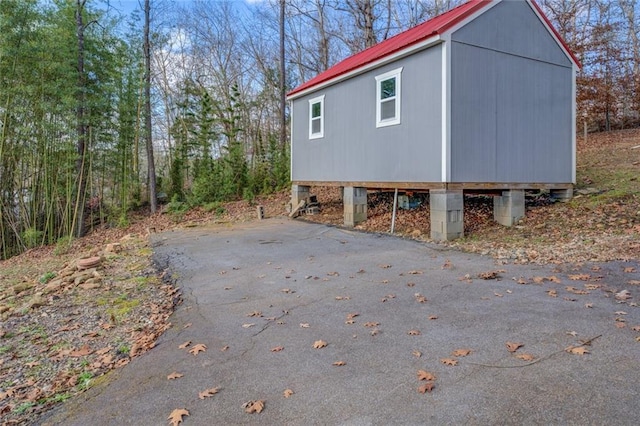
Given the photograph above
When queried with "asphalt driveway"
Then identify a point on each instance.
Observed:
(260, 295)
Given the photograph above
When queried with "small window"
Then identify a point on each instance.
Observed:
(388, 98)
(316, 117)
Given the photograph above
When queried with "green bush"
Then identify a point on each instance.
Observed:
(32, 237)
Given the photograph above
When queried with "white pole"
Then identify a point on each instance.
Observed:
(395, 205)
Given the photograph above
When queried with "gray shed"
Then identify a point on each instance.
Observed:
(478, 99)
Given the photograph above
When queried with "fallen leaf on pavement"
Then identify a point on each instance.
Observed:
(277, 349)
(176, 416)
(384, 266)
(512, 346)
(433, 317)
(224, 348)
(200, 347)
(525, 357)
(371, 324)
(425, 375)
(623, 295)
(577, 350)
(248, 325)
(352, 316)
(253, 406)
(254, 314)
(449, 361)
(552, 293)
(339, 363)
(304, 325)
(287, 393)
(579, 277)
(207, 393)
(185, 344)
(427, 387)
(318, 344)
(413, 332)
(461, 352)
(629, 269)
(416, 353)
(174, 375)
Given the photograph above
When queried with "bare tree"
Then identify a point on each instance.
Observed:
(151, 167)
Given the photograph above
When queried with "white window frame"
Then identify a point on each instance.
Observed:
(320, 100)
(397, 74)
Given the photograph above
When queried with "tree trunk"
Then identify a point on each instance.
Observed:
(78, 217)
(151, 167)
(283, 101)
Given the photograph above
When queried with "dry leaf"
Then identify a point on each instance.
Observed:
(554, 279)
(83, 351)
(384, 266)
(318, 344)
(427, 387)
(525, 357)
(352, 316)
(207, 393)
(425, 375)
(447, 264)
(512, 346)
(350, 321)
(552, 293)
(636, 328)
(304, 325)
(416, 353)
(176, 416)
(200, 347)
(433, 317)
(577, 350)
(277, 349)
(623, 295)
(224, 348)
(174, 375)
(254, 314)
(579, 277)
(449, 361)
(254, 407)
(489, 275)
(461, 352)
(420, 298)
(588, 305)
(413, 332)
(339, 363)
(185, 344)
(629, 269)
(248, 325)
(574, 290)
(187, 325)
(415, 272)
(371, 324)
(287, 393)
(287, 291)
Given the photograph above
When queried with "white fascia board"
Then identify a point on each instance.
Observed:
(445, 94)
(431, 41)
(574, 69)
(291, 141)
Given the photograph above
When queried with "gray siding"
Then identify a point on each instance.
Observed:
(512, 27)
(511, 106)
(353, 149)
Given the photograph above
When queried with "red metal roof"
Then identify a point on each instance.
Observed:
(412, 36)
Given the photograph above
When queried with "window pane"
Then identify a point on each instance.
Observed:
(315, 126)
(315, 110)
(388, 109)
(388, 88)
